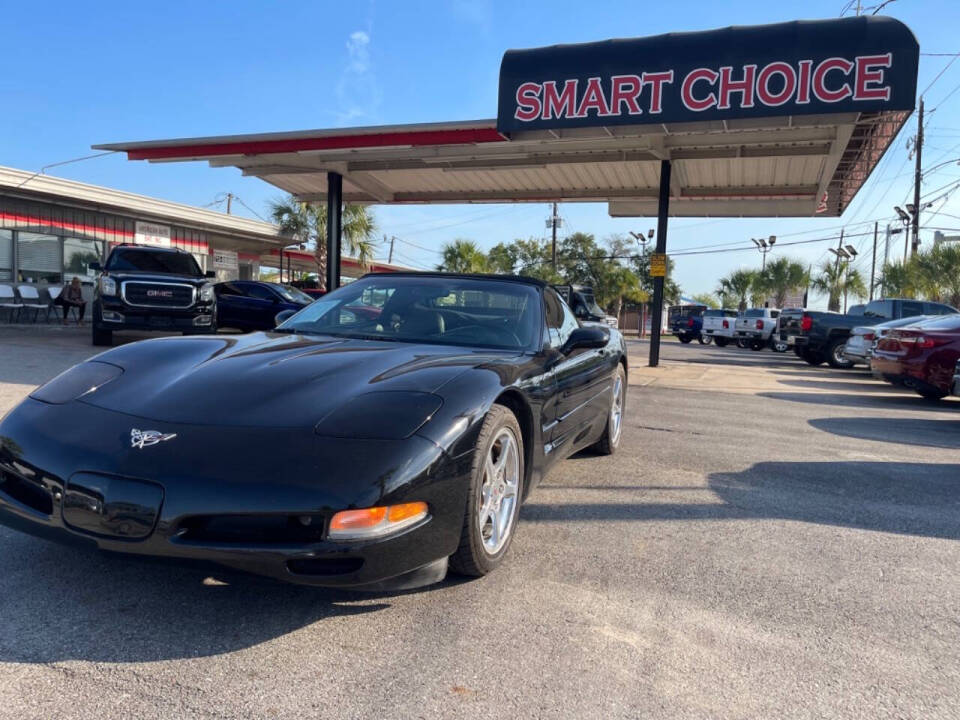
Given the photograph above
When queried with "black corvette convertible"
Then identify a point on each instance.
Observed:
(383, 432)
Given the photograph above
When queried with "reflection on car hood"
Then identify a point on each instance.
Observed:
(270, 379)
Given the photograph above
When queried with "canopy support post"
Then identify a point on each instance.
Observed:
(663, 214)
(334, 228)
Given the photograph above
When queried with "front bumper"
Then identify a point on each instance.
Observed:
(118, 315)
(252, 499)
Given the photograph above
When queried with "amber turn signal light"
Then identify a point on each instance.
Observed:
(375, 521)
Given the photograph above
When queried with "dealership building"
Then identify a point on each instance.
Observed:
(51, 229)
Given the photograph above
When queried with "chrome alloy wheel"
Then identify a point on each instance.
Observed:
(499, 491)
(616, 410)
(838, 354)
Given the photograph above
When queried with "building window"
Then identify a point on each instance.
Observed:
(77, 256)
(38, 258)
(6, 255)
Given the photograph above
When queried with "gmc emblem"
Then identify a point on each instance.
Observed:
(160, 293)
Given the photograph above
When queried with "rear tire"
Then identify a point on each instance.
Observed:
(835, 355)
(721, 341)
(756, 344)
(931, 394)
(610, 440)
(778, 346)
(704, 339)
(478, 554)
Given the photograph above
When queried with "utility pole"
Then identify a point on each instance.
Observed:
(839, 250)
(229, 202)
(873, 266)
(916, 182)
(554, 222)
(392, 238)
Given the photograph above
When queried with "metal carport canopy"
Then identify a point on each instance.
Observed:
(766, 121)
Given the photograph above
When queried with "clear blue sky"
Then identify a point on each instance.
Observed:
(75, 74)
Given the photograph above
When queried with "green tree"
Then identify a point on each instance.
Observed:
(838, 280)
(307, 223)
(899, 280)
(463, 256)
(738, 285)
(938, 273)
(529, 257)
(780, 277)
(708, 299)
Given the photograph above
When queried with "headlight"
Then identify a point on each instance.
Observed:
(108, 286)
(387, 415)
(376, 521)
(76, 382)
(206, 293)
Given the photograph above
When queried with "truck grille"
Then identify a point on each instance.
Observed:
(155, 294)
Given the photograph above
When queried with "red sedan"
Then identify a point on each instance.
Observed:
(922, 356)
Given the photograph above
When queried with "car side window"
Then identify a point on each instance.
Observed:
(931, 308)
(912, 308)
(774, 314)
(560, 320)
(879, 308)
(260, 293)
(228, 288)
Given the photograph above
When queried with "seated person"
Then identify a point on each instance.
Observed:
(72, 296)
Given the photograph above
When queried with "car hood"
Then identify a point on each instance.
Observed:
(271, 379)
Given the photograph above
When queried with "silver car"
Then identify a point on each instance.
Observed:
(864, 338)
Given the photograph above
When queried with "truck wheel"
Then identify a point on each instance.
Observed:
(930, 393)
(721, 341)
(101, 336)
(741, 343)
(778, 346)
(704, 340)
(756, 344)
(835, 354)
(685, 338)
(812, 357)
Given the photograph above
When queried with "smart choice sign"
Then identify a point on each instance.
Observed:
(835, 66)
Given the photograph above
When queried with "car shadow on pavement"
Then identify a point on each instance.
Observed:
(904, 498)
(61, 603)
(906, 401)
(901, 431)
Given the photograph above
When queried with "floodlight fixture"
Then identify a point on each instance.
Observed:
(903, 216)
(852, 250)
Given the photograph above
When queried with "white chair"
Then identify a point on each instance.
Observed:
(31, 299)
(8, 301)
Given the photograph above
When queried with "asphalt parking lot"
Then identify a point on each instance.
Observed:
(771, 541)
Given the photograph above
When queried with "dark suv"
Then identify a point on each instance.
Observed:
(149, 288)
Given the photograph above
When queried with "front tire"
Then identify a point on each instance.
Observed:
(721, 341)
(685, 338)
(756, 344)
(778, 346)
(99, 336)
(493, 501)
(813, 358)
(610, 440)
(705, 339)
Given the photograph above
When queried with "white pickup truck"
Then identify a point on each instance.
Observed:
(719, 325)
(755, 327)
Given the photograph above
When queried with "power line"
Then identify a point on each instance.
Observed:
(66, 162)
(250, 208)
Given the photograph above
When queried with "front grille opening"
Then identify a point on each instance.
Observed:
(252, 529)
(34, 496)
(324, 566)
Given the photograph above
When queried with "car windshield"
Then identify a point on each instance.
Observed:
(430, 309)
(292, 294)
(173, 263)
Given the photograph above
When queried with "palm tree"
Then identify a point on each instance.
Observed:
(780, 277)
(937, 273)
(899, 280)
(738, 284)
(307, 223)
(836, 280)
(463, 256)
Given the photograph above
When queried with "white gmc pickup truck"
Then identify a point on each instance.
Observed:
(719, 324)
(755, 328)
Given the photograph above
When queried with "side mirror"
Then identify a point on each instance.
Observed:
(95, 266)
(587, 337)
(282, 316)
(210, 273)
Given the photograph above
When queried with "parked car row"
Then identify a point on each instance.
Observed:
(911, 343)
(755, 328)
